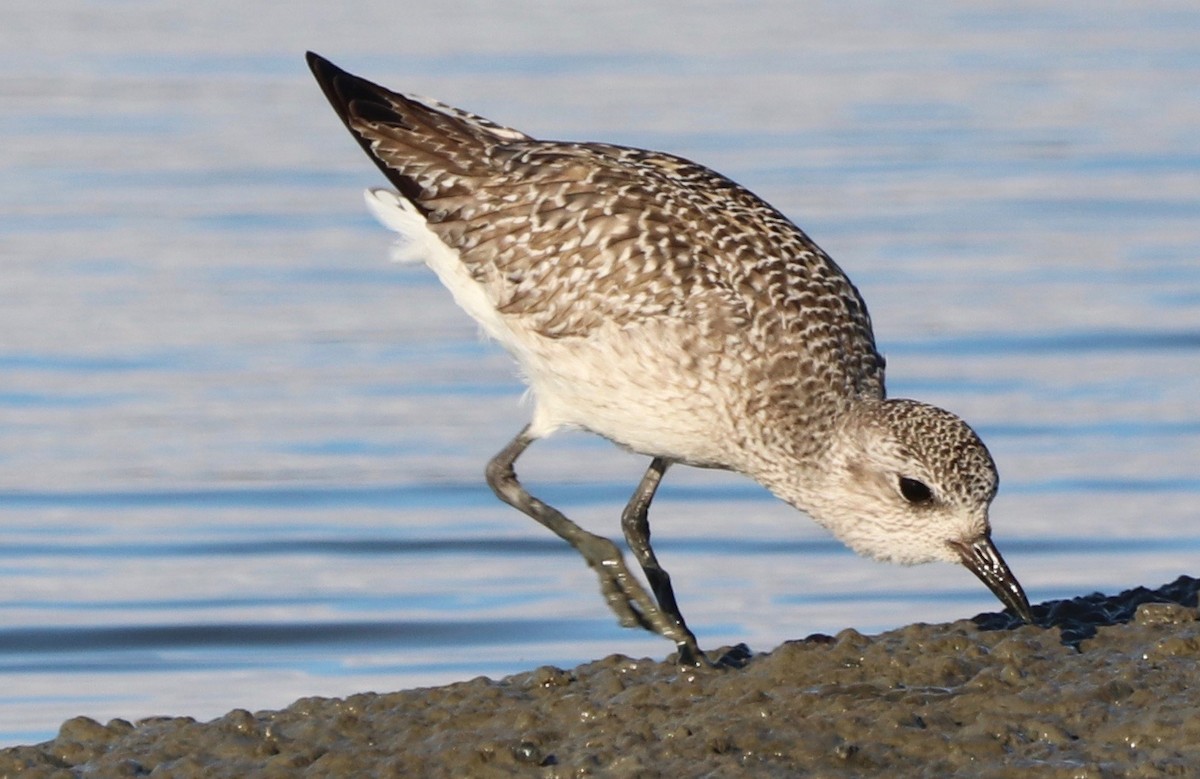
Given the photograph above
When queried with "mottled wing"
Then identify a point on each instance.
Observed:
(624, 234)
(567, 236)
(423, 148)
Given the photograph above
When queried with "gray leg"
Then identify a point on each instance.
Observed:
(633, 605)
(635, 523)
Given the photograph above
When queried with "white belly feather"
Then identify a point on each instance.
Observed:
(573, 380)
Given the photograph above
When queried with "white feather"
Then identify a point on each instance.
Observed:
(415, 242)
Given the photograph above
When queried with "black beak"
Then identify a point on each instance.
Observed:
(983, 559)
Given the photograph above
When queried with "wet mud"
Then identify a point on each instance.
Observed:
(1101, 687)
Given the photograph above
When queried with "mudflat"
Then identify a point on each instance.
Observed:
(1100, 687)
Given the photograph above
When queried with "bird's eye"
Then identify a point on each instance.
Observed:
(915, 491)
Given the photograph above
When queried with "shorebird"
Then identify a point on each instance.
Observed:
(656, 303)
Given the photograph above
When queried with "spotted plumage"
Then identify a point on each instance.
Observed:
(657, 303)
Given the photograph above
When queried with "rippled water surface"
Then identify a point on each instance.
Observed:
(241, 454)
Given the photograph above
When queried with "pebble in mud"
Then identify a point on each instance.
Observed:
(960, 699)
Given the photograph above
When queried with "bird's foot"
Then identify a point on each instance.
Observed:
(691, 656)
(735, 657)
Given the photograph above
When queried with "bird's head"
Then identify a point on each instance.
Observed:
(909, 483)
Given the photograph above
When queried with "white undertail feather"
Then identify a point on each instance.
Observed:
(415, 242)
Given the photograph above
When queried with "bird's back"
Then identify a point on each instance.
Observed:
(572, 242)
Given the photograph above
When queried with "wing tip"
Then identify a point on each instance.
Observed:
(351, 95)
(328, 75)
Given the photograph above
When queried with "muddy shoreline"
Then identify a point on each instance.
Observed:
(1101, 687)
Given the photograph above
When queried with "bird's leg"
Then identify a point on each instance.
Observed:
(635, 523)
(625, 595)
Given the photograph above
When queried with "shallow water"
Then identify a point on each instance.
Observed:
(241, 454)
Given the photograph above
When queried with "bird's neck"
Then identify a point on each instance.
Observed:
(806, 471)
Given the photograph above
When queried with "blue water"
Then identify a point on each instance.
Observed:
(241, 454)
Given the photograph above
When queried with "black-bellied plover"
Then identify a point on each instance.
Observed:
(656, 303)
